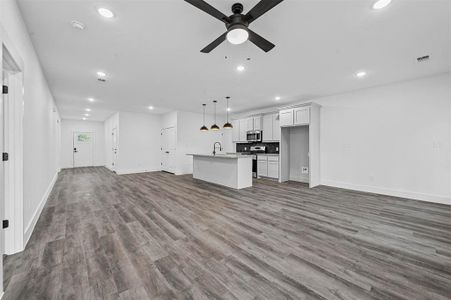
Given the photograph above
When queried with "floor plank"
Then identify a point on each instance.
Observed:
(160, 236)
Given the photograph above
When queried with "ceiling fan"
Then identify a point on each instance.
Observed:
(237, 24)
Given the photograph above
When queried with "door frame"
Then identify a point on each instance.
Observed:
(14, 236)
(161, 147)
(114, 148)
(92, 134)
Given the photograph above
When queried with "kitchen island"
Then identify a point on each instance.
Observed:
(231, 170)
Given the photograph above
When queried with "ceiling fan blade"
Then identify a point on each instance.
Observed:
(204, 6)
(260, 8)
(260, 42)
(214, 44)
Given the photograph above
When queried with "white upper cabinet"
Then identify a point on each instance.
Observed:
(236, 131)
(286, 117)
(267, 127)
(271, 128)
(250, 124)
(242, 126)
(275, 127)
(301, 115)
(243, 130)
(257, 123)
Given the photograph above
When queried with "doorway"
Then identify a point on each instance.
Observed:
(83, 149)
(12, 238)
(113, 148)
(168, 149)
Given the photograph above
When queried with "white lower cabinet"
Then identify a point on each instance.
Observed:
(273, 168)
(262, 165)
(268, 166)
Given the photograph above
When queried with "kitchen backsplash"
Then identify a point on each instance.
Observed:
(270, 147)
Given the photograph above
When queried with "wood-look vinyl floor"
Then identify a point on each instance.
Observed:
(160, 236)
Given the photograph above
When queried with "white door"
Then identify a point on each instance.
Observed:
(114, 148)
(2, 194)
(168, 149)
(83, 148)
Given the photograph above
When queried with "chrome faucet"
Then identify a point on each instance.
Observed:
(214, 147)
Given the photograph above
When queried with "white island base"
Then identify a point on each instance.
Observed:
(234, 171)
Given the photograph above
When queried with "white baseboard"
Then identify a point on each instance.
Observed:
(303, 179)
(135, 171)
(1, 295)
(389, 192)
(30, 226)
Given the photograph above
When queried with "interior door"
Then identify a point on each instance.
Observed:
(168, 149)
(2, 189)
(114, 148)
(83, 148)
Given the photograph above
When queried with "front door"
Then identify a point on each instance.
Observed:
(168, 149)
(83, 148)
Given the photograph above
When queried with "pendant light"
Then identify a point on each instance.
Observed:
(204, 128)
(215, 127)
(227, 125)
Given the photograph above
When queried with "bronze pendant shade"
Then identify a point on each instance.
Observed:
(228, 125)
(214, 127)
(204, 128)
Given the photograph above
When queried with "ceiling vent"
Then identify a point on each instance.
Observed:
(423, 58)
(101, 79)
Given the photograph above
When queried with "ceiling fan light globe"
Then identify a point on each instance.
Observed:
(237, 36)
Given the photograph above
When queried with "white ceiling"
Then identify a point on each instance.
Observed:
(150, 51)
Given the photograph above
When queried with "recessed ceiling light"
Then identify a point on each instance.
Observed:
(83, 119)
(277, 98)
(101, 74)
(91, 99)
(88, 109)
(381, 4)
(240, 68)
(105, 12)
(360, 74)
(86, 115)
(150, 107)
(78, 25)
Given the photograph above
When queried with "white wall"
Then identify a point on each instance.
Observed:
(68, 127)
(393, 139)
(40, 122)
(299, 148)
(191, 140)
(139, 143)
(109, 124)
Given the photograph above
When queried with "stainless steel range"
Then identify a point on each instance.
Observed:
(256, 150)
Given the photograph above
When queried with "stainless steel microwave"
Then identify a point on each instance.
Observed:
(254, 136)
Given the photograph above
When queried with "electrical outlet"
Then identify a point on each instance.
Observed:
(304, 170)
